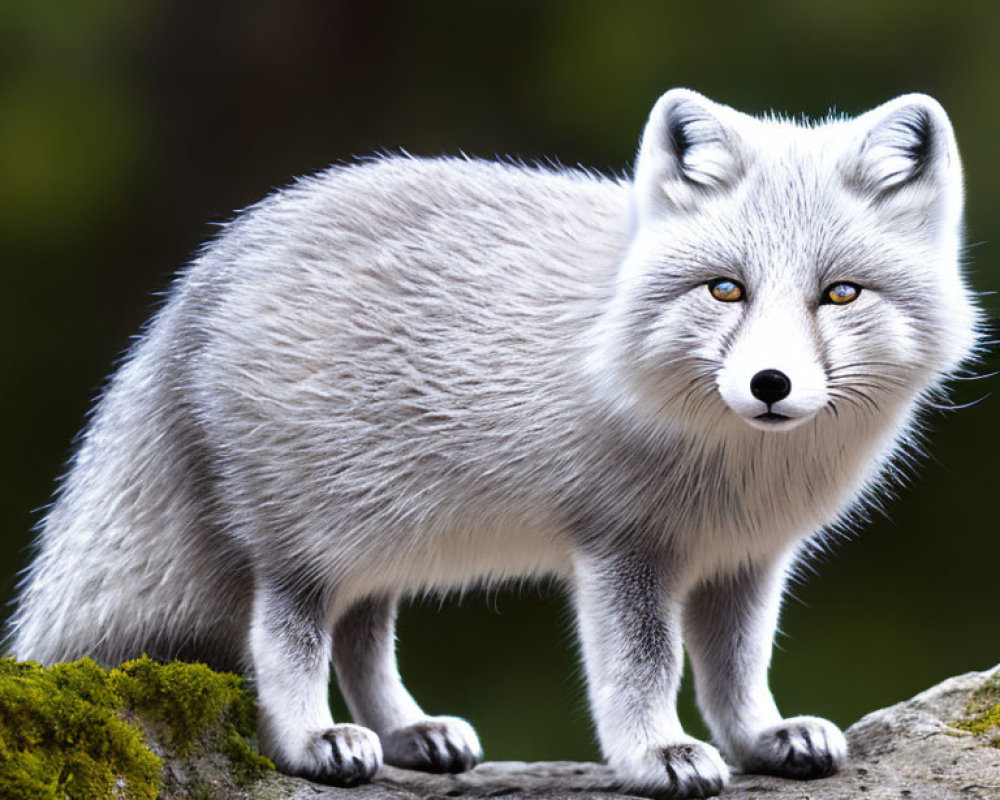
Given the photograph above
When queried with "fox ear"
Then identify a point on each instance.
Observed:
(689, 149)
(907, 142)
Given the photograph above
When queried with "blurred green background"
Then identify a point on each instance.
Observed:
(127, 127)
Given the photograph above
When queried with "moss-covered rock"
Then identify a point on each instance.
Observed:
(77, 732)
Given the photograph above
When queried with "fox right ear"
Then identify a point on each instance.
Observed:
(689, 148)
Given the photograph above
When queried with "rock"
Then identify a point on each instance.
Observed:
(910, 751)
(943, 744)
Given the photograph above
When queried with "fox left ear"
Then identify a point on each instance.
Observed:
(690, 149)
(907, 143)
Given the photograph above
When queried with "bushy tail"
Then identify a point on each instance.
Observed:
(131, 558)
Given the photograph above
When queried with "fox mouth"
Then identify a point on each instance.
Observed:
(772, 416)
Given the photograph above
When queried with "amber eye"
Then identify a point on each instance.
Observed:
(841, 293)
(726, 290)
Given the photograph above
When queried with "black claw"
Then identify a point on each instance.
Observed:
(438, 760)
(338, 759)
(426, 750)
(455, 761)
(441, 760)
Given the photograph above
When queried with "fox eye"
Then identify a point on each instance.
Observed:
(726, 290)
(840, 294)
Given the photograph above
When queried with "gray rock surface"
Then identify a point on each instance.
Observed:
(909, 751)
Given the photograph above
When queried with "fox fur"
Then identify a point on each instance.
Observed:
(410, 375)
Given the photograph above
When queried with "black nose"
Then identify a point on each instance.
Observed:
(770, 386)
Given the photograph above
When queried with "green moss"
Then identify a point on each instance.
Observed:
(984, 712)
(61, 736)
(246, 763)
(74, 731)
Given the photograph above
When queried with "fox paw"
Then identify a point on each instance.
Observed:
(687, 769)
(799, 747)
(437, 744)
(344, 755)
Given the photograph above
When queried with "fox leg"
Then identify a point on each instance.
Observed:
(290, 650)
(630, 635)
(729, 627)
(365, 659)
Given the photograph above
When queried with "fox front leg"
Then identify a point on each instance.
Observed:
(729, 625)
(630, 634)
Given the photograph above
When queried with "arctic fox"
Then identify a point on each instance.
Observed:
(414, 375)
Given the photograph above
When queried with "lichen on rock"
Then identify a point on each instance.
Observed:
(79, 732)
(983, 712)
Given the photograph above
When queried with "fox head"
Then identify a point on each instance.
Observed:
(783, 272)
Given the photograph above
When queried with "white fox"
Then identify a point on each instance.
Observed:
(416, 375)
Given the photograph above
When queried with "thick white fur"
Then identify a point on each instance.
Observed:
(418, 375)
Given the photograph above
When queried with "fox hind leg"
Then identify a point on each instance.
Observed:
(290, 649)
(364, 656)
